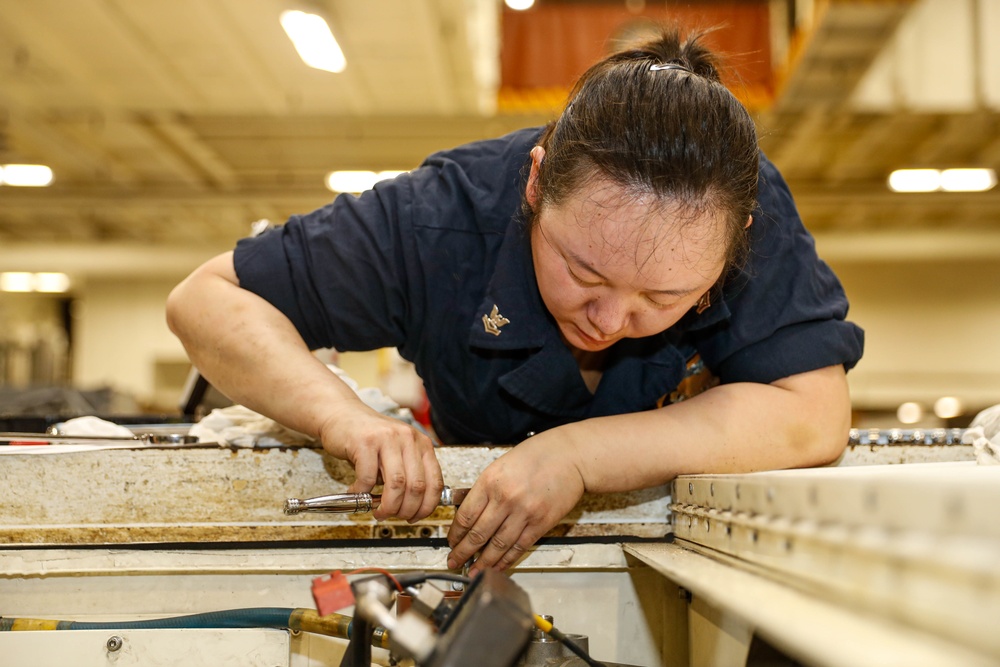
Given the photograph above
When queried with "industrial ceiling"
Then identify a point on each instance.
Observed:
(172, 126)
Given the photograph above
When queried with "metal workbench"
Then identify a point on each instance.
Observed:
(149, 532)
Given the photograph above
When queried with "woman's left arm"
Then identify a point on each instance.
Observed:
(798, 421)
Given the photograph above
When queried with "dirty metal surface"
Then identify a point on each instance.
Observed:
(884, 454)
(874, 446)
(124, 496)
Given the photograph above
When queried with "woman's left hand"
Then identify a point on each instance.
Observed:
(516, 500)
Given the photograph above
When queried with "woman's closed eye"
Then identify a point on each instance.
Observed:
(654, 300)
(579, 280)
(655, 303)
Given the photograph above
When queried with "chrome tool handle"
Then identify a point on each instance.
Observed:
(339, 503)
(359, 503)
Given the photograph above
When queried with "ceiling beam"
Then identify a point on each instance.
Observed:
(174, 260)
(843, 44)
(183, 142)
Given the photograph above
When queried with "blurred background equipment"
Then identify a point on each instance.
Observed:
(164, 129)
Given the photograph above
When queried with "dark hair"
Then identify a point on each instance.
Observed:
(674, 132)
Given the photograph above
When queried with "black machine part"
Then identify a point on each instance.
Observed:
(489, 627)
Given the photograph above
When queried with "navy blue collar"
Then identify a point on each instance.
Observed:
(548, 379)
(512, 295)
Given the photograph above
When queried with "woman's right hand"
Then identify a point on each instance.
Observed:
(385, 449)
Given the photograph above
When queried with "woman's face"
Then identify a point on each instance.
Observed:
(611, 266)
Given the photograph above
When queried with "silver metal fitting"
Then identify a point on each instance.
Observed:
(413, 636)
(427, 599)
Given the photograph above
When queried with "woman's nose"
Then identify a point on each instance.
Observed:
(609, 315)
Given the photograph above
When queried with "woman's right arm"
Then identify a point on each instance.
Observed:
(254, 355)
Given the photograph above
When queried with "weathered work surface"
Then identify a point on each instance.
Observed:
(124, 496)
(865, 454)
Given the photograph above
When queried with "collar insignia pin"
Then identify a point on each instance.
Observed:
(494, 321)
(704, 303)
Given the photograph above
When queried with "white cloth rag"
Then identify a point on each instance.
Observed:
(93, 426)
(238, 426)
(984, 435)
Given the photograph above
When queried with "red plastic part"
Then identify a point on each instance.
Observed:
(332, 593)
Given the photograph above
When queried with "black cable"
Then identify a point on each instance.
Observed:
(549, 629)
(408, 579)
(575, 648)
(448, 576)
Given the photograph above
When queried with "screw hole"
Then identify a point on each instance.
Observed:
(954, 507)
(871, 500)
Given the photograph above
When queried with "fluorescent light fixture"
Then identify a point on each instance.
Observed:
(968, 180)
(23, 281)
(357, 181)
(313, 40)
(17, 281)
(947, 407)
(26, 175)
(915, 180)
(54, 283)
(910, 413)
(350, 181)
(937, 180)
(519, 5)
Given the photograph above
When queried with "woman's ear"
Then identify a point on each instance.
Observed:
(749, 222)
(531, 191)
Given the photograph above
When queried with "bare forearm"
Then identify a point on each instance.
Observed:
(796, 422)
(250, 352)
